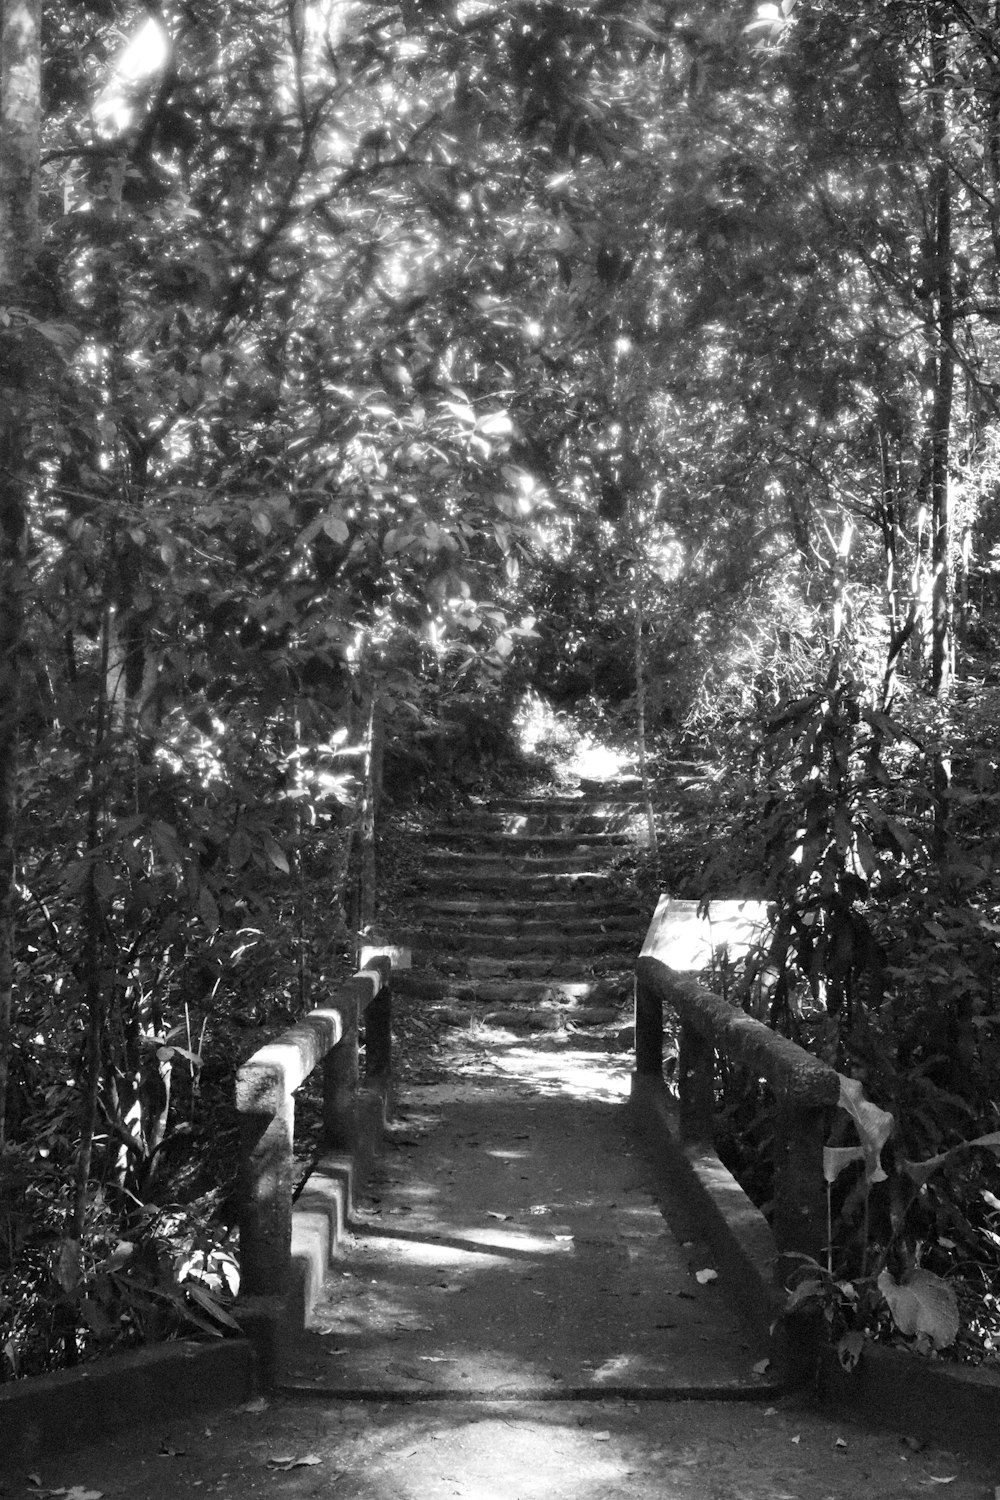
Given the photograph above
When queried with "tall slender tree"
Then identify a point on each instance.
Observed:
(20, 126)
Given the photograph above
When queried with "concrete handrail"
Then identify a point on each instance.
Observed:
(265, 1088)
(805, 1089)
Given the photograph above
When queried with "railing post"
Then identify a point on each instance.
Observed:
(378, 1024)
(799, 1214)
(340, 1079)
(648, 1029)
(267, 1129)
(696, 1083)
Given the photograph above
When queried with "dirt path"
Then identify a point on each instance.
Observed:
(296, 1449)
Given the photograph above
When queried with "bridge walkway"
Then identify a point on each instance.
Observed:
(515, 1241)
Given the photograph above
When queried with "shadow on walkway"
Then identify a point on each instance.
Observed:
(512, 1245)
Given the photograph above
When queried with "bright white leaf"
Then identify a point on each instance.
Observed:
(497, 424)
(836, 1158)
(874, 1125)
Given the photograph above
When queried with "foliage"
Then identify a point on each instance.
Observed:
(646, 359)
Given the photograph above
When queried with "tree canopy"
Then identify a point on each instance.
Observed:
(371, 363)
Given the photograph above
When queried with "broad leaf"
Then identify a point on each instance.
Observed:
(920, 1171)
(874, 1125)
(836, 1158)
(923, 1304)
(849, 1348)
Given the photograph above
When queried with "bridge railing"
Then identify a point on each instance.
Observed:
(265, 1100)
(805, 1090)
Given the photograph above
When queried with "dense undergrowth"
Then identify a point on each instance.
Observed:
(872, 834)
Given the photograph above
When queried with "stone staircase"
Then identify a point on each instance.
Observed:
(525, 903)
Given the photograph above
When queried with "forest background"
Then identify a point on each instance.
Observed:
(367, 362)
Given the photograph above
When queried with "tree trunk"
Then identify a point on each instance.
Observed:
(944, 372)
(639, 663)
(20, 126)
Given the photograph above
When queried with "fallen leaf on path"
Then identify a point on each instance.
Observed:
(761, 1367)
(258, 1404)
(76, 1492)
(307, 1461)
(493, 1214)
(941, 1478)
(336, 1353)
(840, 1443)
(797, 1438)
(772, 1411)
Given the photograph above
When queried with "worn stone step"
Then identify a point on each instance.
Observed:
(576, 924)
(448, 860)
(552, 821)
(486, 910)
(589, 802)
(552, 965)
(540, 965)
(427, 984)
(514, 843)
(587, 883)
(574, 948)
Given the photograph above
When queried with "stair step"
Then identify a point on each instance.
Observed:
(440, 860)
(587, 802)
(519, 885)
(486, 910)
(537, 823)
(505, 843)
(548, 965)
(427, 985)
(574, 949)
(488, 966)
(581, 926)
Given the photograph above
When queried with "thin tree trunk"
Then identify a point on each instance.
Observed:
(839, 605)
(639, 664)
(93, 946)
(944, 374)
(20, 126)
(366, 868)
